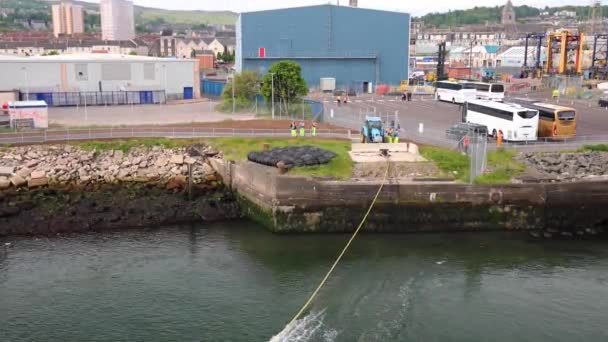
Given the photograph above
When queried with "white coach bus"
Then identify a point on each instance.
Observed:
(454, 92)
(516, 123)
(488, 91)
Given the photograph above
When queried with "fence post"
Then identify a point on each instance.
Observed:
(111, 132)
(90, 133)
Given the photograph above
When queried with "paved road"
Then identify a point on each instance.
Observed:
(140, 115)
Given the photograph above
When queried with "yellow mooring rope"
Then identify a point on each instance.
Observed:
(314, 294)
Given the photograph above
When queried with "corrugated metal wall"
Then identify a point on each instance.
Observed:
(350, 44)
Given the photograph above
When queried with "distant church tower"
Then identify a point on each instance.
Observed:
(508, 14)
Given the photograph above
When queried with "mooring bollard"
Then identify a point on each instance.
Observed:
(282, 168)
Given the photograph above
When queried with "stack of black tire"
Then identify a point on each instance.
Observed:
(290, 157)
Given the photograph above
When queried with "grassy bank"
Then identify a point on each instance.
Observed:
(452, 163)
(341, 167)
(502, 167)
(127, 144)
(595, 148)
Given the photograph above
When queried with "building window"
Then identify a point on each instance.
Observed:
(81, 71)
(115, 72)
(149, 71)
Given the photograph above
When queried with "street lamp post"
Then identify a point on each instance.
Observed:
(27, 91)
(233, 102)
(165, 72)
(471, 60)
(272, 96)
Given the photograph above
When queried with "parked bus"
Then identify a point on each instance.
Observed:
(554, 121)
(488, 91)
(454, 92)
(515, 122)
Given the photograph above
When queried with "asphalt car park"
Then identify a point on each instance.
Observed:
(437, 117)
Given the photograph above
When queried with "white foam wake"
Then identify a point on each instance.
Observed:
(305, 329)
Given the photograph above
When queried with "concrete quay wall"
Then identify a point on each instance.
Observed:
(293, 204)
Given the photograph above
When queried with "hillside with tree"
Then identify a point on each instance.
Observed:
(12, 12)
(482, 15)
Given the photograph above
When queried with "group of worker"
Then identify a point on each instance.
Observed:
(406, 96)
(341, 99)
(293, 127)
(392, 135)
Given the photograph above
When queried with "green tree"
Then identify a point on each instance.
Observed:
(289, 85)
(246, 86)
(53, 53)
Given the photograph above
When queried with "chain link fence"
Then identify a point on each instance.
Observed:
(477, 151)
(59, 135)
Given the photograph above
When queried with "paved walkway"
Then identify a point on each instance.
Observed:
(140, 115)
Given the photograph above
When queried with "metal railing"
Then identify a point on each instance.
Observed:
(60, 135)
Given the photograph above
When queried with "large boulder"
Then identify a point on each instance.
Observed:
(17, 181)
(4, 183)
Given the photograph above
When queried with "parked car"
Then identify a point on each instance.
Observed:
(603, 102)
(459, 130)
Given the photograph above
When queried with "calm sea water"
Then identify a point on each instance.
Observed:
(236, 282)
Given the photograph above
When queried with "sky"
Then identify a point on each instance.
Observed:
(411, 6)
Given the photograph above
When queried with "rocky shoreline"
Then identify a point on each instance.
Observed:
(52, 189)
(567, 167)
(36, 166)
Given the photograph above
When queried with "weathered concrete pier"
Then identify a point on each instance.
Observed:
(295, 204)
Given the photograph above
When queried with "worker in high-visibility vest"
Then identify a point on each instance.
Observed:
(396, 136)
(302, 128)
(313, 130)
(292, 128)
(389, 135)
(499, 139)
(555, 94)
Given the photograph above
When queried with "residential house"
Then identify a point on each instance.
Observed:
(216, 46)
(480, 56)
(124, 47)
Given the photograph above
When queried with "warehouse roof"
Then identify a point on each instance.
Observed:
(325, 5)
(90, 57)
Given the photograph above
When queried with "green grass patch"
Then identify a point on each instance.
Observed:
(186, 17)
(454, 163)
(341, 167)
(503, 167)
(6, 130)
(127, 144)
(595, 148)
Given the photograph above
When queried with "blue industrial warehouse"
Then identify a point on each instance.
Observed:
(358, 47)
